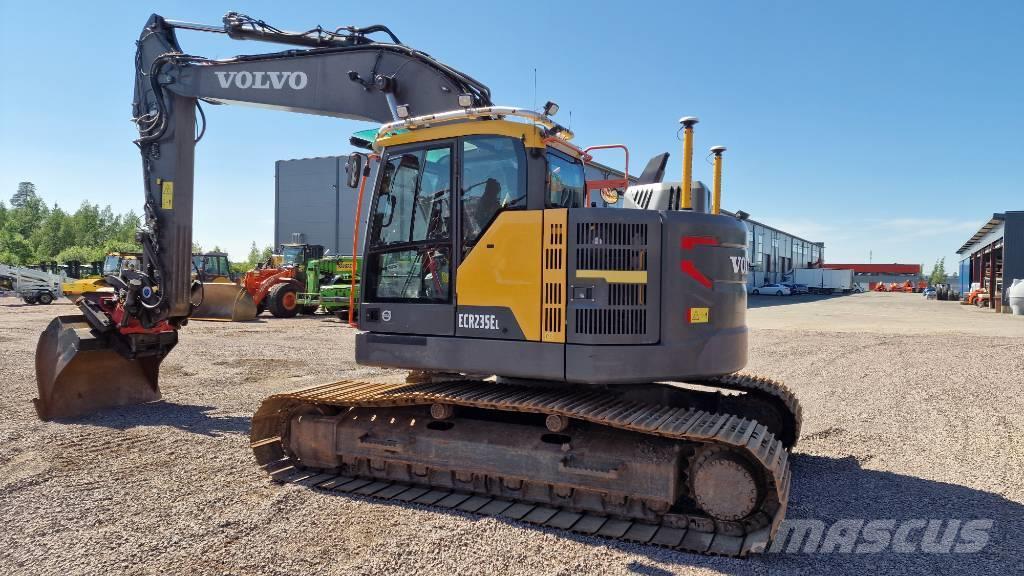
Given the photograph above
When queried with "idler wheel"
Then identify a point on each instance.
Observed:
(724, 486)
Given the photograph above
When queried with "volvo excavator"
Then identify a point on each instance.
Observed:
(570, 366)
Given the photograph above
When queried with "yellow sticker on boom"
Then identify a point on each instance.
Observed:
(167, 195)
(699, 315)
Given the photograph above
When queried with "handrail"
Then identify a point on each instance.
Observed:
(472, 113)
(608, 183)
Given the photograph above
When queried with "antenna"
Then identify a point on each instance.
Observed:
(535, 88)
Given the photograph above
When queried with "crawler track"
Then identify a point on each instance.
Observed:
(698, 434)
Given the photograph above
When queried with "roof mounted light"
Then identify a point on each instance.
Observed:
(550, 108)
(402, 110)
(465, 100)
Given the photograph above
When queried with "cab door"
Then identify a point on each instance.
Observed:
(408, 271)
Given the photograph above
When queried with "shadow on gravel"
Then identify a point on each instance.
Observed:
(187, 417)
(768, 301)
(829, 490)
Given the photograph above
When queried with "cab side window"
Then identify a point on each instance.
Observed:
(566, 183)
(493, 179)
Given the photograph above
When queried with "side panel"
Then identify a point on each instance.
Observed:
(502, 271)
(515, 359)
(554, 275)
(614, 270)
(702, 309)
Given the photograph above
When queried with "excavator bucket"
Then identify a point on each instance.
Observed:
(225, 302)
(79, 372)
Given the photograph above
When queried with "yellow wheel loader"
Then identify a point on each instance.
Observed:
(570, 366)
(221, 297)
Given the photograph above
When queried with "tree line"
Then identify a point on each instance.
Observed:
(32, 232)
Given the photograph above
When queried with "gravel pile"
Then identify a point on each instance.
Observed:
(897, 425)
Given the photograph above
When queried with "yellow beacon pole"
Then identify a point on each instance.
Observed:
(716, 198)
(687, 122)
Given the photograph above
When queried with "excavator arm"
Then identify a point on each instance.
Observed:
(110, 354)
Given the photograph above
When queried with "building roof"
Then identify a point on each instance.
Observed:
(996, 220)
(877, 268)
(763, 225)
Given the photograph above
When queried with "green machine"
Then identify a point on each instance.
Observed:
(328, 284)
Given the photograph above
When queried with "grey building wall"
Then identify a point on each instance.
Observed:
(1013, 251)
(312, 197)
(1011, 232)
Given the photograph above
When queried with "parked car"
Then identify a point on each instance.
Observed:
(773, 289)
(797, 288)
(928, 293)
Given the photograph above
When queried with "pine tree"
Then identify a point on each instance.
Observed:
(26, 190)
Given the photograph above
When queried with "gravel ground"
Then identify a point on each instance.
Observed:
(912, 410)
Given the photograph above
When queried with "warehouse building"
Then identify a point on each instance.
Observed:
(993, 257)
(312, 198)
(773, 253)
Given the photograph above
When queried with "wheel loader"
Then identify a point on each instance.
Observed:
(570, 366)
(221, 298)
(275, 285)
(82, 277)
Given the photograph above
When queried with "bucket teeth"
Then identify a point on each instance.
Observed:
(225, 302)
(78, 372)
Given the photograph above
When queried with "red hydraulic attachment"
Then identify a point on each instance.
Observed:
(611, 182)
(115, 310)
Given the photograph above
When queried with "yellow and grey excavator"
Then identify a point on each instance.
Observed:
(571, 366)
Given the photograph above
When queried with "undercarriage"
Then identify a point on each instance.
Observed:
(689, 467)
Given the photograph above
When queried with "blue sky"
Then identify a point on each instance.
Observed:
(887, 127)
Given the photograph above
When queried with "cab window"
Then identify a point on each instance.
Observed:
(493, 180)
(566, 183)
(409, 237)
(111, 265)
(291, 255)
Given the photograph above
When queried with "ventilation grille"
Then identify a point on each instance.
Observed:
(642, 198)
(627, 294)
(611, 321)
(611, 246)
(620, 233)
(553, 276)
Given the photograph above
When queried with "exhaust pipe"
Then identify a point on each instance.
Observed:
(716, 186)
(687, 122)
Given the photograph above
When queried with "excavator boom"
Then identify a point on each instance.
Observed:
(342, 73)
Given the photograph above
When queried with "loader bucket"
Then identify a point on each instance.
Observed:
(79, 372)
(225, 302)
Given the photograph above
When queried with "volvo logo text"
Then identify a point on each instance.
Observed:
(740, 264)
(263, 80)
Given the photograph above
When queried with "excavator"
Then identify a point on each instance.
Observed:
(570, 366)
